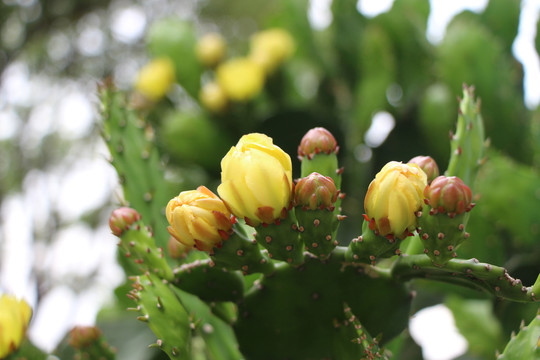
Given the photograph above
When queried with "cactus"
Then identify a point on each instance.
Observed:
(467, 144)
(136, 160)
(370, 346)
(524, 345)
(158, 306)
(208, 282)
(137, 244)
(272, 272)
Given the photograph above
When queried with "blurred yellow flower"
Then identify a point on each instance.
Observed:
(211, 49)
(256, 179)
(213, 97)
(393, 198)
(271, 47)
(15, 315)
(198, 218)
(156, 78)
(241, 79)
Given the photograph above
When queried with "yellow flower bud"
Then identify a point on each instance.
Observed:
(394, 197)
(271, 47)
(213, 97)
(156, 78)
(211, 49)
(256, 179)
(15, 315)
(198, 218)
(241, 79)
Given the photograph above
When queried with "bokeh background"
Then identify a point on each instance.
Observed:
(57, 188)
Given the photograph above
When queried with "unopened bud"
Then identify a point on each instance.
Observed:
(317, 140)
(122, 218)
(315, 191)
(428, 165)
(448, 194)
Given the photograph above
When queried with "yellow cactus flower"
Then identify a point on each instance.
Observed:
(213, 97)
(241, 79)
(211, 49)
(198, 218)
(256, 179)
(156, 78)
(15, 315)
(271, 47)
(394, 197)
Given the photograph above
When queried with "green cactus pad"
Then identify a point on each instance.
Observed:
(136, 160)
(296, 313)
(218, 335)
(282, 240)
(468, 143)
(137, 245)
(370, 346)
(524, 345)
(167, 318)
(317, 229)
(239, 253)
(209, 282)
(369, 247)
(441, 234)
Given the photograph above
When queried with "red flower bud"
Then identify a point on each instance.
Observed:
(315, 191)
(428, 165)
(317, 140)
(448, 194)
(122, 218)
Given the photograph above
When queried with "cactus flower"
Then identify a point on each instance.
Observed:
(15, 315)
(315, 141)
(315, 191)
(211, 49)
(198, 218)
(156, 78)
(213, 97)
(256, 179)
(271, 47)
(428, 165)
(394, 197)
(448, 194)
(241, 79)
(122, 218)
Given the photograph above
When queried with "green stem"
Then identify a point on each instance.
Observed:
(471, 273)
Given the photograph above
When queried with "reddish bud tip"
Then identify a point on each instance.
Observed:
(315, 141)
(122, 218)
(428, 165)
